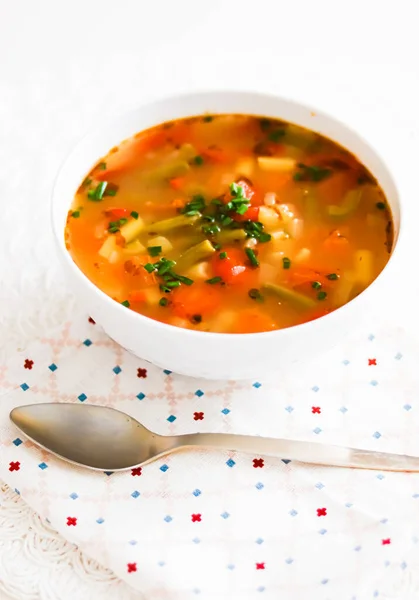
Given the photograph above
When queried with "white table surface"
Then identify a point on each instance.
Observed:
(67, 66)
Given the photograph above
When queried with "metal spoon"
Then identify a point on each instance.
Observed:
(105, 439)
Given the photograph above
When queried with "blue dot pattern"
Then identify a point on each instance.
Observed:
(225, 522)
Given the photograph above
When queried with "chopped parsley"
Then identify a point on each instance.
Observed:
(321, 295)
(97, 193)
(223, 255)
(208, 119)
(169, 279)
(381, 205)
(198, 160)
(286, 263)
(163, 301)
(75, 214)
(332, 276)
(255, 229)
(255, 294)
(194, 206)
(214, 280)
(252, 257)
(316, 285)
(154, 250)
(114, 226)
(125, 303)
(134, 214)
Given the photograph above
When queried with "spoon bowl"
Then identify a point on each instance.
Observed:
(97, 437)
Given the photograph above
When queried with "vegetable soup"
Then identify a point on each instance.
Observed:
(231, 224)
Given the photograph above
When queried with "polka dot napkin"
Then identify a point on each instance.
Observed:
(215, 525)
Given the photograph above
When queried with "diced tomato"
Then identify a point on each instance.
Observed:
(234, 268)
(251, 214)
(137, 296)
(178, 203)
(253, 321)
(117, 213)
(250, 192)
(177, 183)
(196, 299)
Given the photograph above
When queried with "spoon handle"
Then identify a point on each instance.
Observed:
(308, 452)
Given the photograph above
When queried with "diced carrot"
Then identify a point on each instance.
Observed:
(131, 152)
(117, 213)
(177, 183)
(301, 275)
(137, 296)
(217, 155)
(178, 203)
(135, 267)
(336, 243)
(197, 299)
(253, 321)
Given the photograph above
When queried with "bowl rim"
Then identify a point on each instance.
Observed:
(314, 324)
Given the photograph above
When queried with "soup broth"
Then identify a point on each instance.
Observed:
(231, 224)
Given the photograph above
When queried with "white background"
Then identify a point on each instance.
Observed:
(67, 66)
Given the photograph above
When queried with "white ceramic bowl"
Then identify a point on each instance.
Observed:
(215, 355)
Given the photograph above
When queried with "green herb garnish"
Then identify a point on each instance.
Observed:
(264, 124)
(276, 135)
(75, 214)
(102, 166)
(182, 278)
(332, 276)
(321, 295)
(286, 263)
(223, 255)
(195, 206)
(214, 280)
(125, 303)
(252, 257)
(316, 285)
(208, 119)
(255, 294)
(163, 301)
(255, 229)
(87, 181)
(380, 205)
(134, 214)
(154, 250)
(114, 226)
(311, 173)
(98, 192)
(198, 160)
(149, 267)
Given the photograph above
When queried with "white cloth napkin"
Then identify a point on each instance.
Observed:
(217, 525)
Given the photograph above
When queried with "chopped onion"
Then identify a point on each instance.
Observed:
(269, 199)
(251, 243)
(295, 228)
(303, 255)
